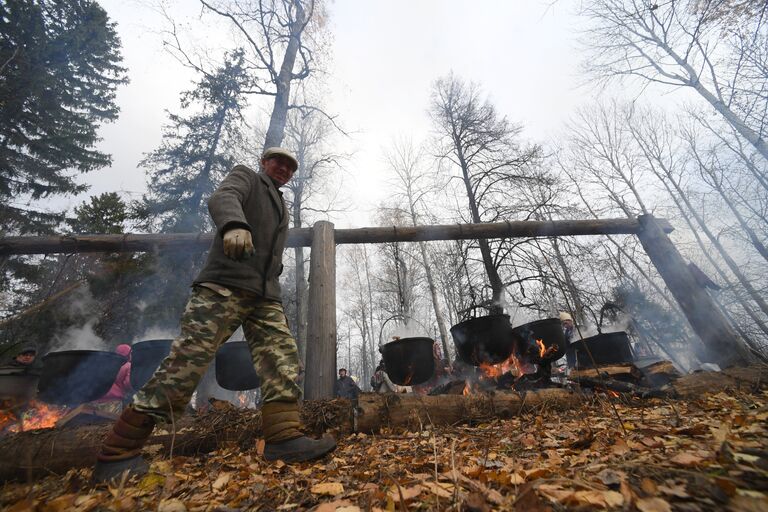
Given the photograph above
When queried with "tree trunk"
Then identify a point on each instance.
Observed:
(497, 288)
(277, 121)
(301, 285)
(720, 340)
(651, 157)
(717, 103)
(435, 302)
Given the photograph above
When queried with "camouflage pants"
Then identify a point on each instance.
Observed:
(209, 319)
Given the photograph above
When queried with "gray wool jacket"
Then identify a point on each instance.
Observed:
(247, 199)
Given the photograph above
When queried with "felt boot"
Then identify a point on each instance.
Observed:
(121, 450)
(283, 437)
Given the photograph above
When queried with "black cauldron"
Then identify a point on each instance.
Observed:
(74, 377)
(146, 357)
(606, 348)
(234, 367)
(17, 385)
(549, 331)
(484, 340)
(409, 361)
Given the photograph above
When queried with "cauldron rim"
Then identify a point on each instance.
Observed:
(601, 335)
(539, 322)
(483, 319)
(410, 339)
(84, 352)
(150, 340)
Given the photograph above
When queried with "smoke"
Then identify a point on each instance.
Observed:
(79, 338)
(520, 316)
(622, 322)
(157, 333)
(85, 310)
(409, 329)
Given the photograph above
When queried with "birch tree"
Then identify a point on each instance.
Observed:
(412, 183)
(713, 47)
(282, 39)
(480, 146)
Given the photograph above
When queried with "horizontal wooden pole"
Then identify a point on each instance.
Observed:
(302, 237)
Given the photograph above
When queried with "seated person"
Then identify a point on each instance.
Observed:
(26, 360)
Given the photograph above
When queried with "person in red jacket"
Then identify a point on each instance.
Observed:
(121, 388)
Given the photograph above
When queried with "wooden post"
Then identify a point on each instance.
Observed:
(721, 344)
(321, 321)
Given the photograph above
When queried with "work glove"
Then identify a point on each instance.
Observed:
(238, 244)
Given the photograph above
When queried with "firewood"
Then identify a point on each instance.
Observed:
(659, 374)
(625, 372)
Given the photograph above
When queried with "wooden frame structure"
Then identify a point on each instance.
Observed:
(720, 342)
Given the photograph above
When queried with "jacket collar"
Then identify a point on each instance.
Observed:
(274, 194)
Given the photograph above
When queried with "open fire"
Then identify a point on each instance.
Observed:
(516, 372)
(36, 415)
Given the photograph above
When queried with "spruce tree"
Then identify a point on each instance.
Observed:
(198, 150)
(59, 69)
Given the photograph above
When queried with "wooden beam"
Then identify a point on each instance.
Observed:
(321, 321)
(721, 344)
(302, 237)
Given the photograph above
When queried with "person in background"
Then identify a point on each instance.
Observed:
(121, 389)
(380, 381)
(560, 366)
(345, 386)
(26, 360)
(567, 320)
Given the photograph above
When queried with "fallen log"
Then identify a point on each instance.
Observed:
(30, 455)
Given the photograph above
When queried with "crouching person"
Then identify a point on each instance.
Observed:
(238, 286)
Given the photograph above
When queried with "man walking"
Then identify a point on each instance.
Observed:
(238, 286)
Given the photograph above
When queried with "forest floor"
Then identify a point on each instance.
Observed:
(647, 455)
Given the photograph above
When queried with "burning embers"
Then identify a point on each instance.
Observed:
(34, 415)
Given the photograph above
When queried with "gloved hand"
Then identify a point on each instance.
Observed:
(238, 244)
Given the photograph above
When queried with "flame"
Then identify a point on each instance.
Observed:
(38, 415)
(7, 417)
(494, 371)
(242, 399)
(467, 388)
(545, 352)
(512, 364)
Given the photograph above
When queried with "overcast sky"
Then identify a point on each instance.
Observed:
(384, 58)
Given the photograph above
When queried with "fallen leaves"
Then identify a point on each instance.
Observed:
(172, 505)
(707, 454)
(653, 505)
(328, 488)
(686, 459)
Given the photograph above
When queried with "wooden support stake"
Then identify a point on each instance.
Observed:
(321, 317)
(721, 345)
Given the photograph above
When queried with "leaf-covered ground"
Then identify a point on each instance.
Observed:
(645, 455)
